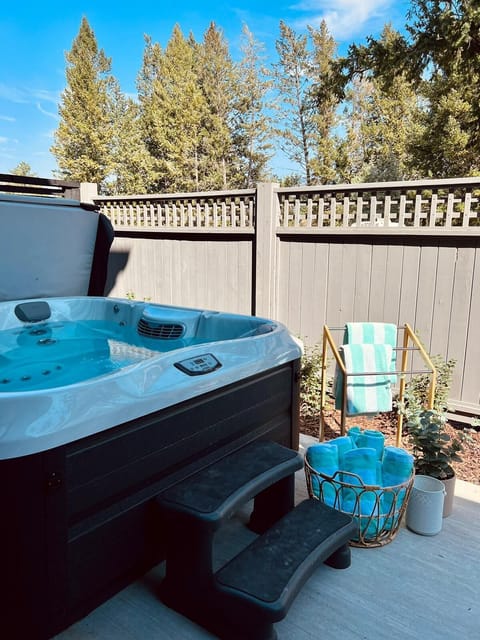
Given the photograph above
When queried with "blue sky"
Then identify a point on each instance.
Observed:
(34, 37)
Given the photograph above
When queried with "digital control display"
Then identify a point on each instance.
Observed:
(199, 365)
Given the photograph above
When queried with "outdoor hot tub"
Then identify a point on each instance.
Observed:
(104, 403)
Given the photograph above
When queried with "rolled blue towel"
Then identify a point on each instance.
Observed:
(362, 462)
(397, 467)
(372, 439)
(360, 502)
(354, 433)
(323, 457)
(343, 444)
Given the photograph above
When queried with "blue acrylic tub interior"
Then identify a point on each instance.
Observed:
(98, 362)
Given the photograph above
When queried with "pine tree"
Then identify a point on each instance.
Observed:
(173, 112)
(326, 103)
(292, 81)
(383, 122)
(252, 130)
(132, 164)
(440, 54)
(82, 140)
(22, 169)
(216, 78)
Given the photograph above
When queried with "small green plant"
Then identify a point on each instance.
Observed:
(130, 295)
(310, 381)
(416, 391)
(434, 450)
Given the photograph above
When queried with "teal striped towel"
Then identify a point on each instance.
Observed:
(373, 333)
(381, 333)
(367, 393)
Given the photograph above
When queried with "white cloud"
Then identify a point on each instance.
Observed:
(12, 94)
(25, 95)
(7, 118)
(50, 114)
(45, 95)
(345, 18)
(3, 140)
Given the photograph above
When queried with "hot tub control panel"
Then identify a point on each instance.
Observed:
(199, 365)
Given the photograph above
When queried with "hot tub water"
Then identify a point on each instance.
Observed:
(54, 354)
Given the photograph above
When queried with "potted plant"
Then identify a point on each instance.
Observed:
(434, 450)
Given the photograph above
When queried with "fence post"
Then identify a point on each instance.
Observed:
(88, 191)
(265, 260)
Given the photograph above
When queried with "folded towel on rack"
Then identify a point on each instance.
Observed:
(367, 393)
(323, 457)
(373, 333)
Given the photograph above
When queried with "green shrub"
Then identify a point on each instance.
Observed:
(310, 381)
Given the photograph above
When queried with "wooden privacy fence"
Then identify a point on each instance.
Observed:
(308, 256)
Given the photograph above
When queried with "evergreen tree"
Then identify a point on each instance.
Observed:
(82, 140)
(22, 169)
(173, 112)
(132, 164)
(448, 145)
(441, 55)
(252, 130)
(324, 163)
(147, 79)
(217, 80)
(292, 81)
(383, 124)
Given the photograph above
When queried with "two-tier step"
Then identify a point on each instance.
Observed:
(245, 597)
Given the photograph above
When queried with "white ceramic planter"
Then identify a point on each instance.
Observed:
(425, 507)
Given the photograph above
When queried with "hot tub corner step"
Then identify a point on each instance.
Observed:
(215, 492)
(257, 587)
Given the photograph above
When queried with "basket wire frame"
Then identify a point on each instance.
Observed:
(378, 524)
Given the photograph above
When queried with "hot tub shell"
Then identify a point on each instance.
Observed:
(80, 520)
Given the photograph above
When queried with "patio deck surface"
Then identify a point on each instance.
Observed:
(416, 587)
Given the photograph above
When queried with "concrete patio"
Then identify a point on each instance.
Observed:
(414, 588)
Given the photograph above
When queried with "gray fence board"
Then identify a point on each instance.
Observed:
(462, 290)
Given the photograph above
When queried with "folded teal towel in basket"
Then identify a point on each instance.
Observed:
(367, 393)
(397, 467)
(373, 439)
(323, 458)
(361, 502)
(343, 444)
(359, 480)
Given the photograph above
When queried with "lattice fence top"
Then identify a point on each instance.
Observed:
(415, 205)
(220, 211)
